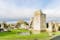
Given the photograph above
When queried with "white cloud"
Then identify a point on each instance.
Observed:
(53, 9)
(9, 10)
(22, 12)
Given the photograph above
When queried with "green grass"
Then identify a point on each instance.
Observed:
(13, 35)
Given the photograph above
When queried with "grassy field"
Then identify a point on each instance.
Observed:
(14, 35)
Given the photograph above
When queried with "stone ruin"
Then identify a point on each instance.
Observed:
(38, 22)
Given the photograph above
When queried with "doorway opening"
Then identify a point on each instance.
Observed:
(59, 28)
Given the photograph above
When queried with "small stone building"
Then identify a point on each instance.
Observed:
(21, 24)
(3, 27)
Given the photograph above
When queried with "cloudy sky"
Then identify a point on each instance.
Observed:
(14, 9)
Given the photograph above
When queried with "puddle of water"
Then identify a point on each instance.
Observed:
(24, 33)
(57, 37)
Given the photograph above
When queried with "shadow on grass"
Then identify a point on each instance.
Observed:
(6, 33)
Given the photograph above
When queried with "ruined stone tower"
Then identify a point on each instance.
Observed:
(38, 22)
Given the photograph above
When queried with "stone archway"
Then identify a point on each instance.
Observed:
(53, 28)
(47, 25)
(59, 28)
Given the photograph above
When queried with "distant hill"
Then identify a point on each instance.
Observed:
(10, 20)
(57, 19)
(13, 20)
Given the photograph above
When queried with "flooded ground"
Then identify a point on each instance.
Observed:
(24, 33)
